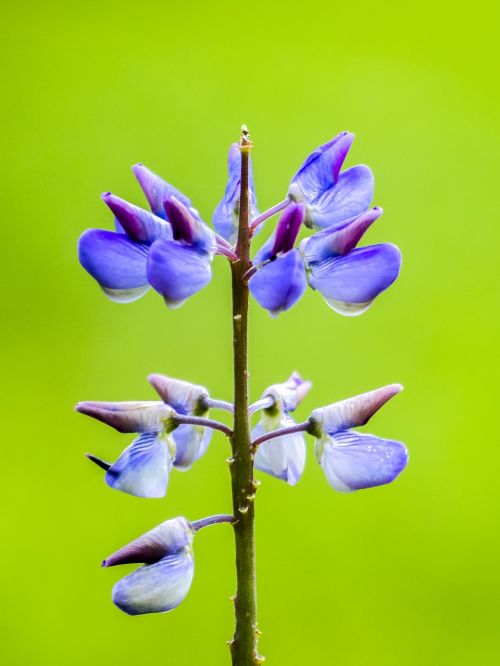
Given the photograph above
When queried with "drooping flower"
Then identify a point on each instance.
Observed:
(167, 572)
(143, 468)
(332, 196)
(283, 457)
(349, 279)
(170, 248)
(351, 460)
(225, 218)
(166, 553)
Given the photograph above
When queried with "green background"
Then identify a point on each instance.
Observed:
(405, 574)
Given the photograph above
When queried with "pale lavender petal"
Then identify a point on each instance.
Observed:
(351, 282)
(116, 262)
(140, 225)
(289, 394)
(177, 271)
(282, 457)
(156, 189)
(353, 412)
(143, 468)
(165, 539)
(321, 169)
(350, 197)
(336, 241)
(278, 285)
(183, 396)
(158, 587)
(191, 442)
(353, 461)
(139, 416)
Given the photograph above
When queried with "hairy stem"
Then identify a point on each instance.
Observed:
(181, 419)
(290, 430)
(244, 644)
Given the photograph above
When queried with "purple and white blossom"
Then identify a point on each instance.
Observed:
(351, 460)
(283, 457)
(143, 468)
(165, 578)
(170, 248)
(349, 279)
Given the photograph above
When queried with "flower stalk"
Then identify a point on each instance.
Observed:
(244, 644)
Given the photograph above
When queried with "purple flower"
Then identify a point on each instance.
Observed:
(349, 279)
(143, 468)
(167, 572)
(332, 196)
(283, 457)
(225, 218)
(352, 461)
(170, 248)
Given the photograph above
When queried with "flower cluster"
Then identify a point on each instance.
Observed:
(172, 435)
(171, 249)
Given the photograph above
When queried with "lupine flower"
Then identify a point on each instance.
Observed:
(167, 572)
(143, 468)
(283, 457)
(331, 196)
(225, 218)
(170, 248)
(191, 442)
(166, 553)
(349, 279)
(351, 460)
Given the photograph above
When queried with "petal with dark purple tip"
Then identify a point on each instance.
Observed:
(353, 461)
(145, 416)
(165, 539)
(158, 587)
(142, 469)
(353, 412)
(140, 225)
(187, 227)
(321, 169)
(350, 197)
(177, 271)
(351, 282)
(336, 241)
(116, 262)
(156, 189)
(278, 285)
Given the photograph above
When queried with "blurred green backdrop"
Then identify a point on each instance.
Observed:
(406, 574)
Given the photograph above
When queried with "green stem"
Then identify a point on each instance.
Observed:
(244, 645)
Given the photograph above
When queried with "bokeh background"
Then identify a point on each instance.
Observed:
(406, 574)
